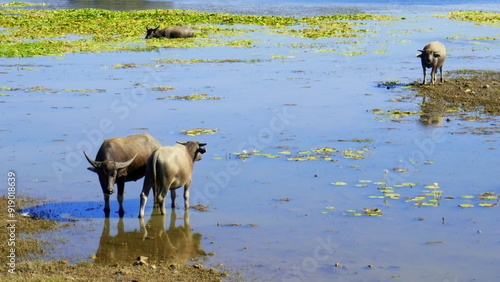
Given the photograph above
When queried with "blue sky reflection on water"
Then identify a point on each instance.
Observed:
(328, 99)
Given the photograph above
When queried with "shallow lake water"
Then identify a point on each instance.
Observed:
(271, 218)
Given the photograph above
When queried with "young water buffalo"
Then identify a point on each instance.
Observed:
(169, 168)
(169, 32)
(433, 56)
(120, 160)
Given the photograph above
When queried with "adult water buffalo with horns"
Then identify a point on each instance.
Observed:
(120, 160)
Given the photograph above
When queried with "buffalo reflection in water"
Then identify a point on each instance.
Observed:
(177, 244)
(433, 112)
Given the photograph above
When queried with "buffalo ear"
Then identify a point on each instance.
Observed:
(122, 172)
(419, 55)
(94, 169)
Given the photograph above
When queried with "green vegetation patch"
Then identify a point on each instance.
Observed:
(199, 131)
(323, 153)
(394, 115)
(53, 32)
(163, 88)
(476, 16)
(21, 4)
(194, 97)
(366, 211)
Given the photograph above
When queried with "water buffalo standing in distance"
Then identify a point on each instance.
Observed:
(120, 160)
(433, 56)
(169, 168)
(169, 32)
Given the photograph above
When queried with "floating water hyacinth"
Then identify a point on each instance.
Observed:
(199, 131)
(194, 97)
(488, 204)
(488, 196)
(432, 186)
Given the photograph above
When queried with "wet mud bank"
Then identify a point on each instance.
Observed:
(467, 90)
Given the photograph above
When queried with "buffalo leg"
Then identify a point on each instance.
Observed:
(144, 196)
(425, 74)
(144, 200)
(173, 194)
(146, 188)
(106, 205)
(121, 189)
(186, 195)
(441, 72)
(433, 75)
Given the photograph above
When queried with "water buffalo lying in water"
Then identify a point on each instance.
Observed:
(169, 168)
(169, 32)
(120, 160)
(433, 56)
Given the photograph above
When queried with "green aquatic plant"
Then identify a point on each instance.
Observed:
(199, 131)
(163, 88)
(194, 97)
(393, 115)
(483, 204)
(64, 31)
(366, 211)
(476, 16)
(20, 4)
(488, 196)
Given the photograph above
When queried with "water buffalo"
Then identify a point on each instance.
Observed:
(169, 32)
(433, 56)
(169, 168)
(120, 160)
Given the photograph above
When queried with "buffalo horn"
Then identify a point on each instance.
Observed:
(91, 161)
(125, 164)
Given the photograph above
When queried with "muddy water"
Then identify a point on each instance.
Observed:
(291, 221)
